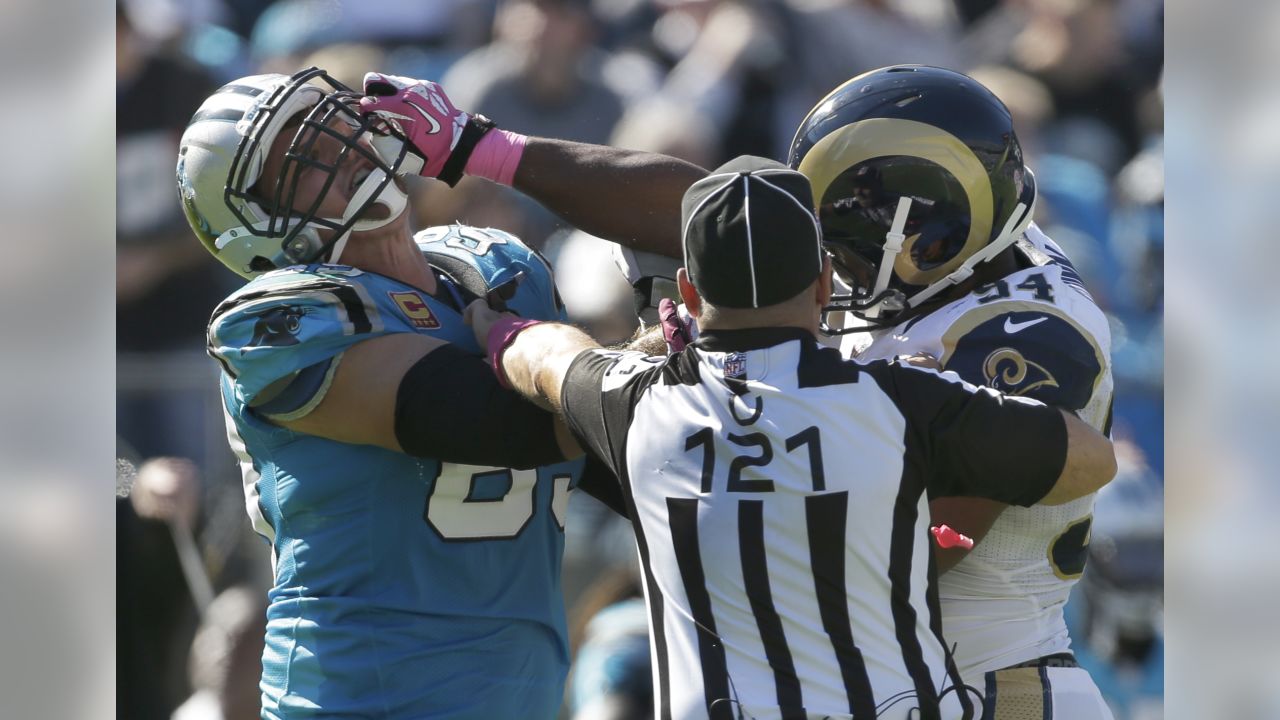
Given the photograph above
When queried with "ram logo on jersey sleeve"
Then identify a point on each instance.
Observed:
(1033, 353)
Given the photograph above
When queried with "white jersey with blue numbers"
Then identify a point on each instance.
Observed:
(404, 587)
(1035, 333)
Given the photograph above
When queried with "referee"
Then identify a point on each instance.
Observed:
(779, 492)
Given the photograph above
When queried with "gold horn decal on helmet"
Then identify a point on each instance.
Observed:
(884, 137)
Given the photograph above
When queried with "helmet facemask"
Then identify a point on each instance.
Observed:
(880, 297)
(267, 210)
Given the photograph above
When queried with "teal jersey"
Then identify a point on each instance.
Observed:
(404, 587)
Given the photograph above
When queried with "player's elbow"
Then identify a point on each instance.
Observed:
(1107, 466)
(1090, 463)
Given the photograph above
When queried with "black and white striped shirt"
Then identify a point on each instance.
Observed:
(779, 498)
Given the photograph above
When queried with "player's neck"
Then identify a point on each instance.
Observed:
(395, 256)
(1006, 263)
(760, 318)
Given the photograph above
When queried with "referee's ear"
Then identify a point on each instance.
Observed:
(824, 282)
(688, 294)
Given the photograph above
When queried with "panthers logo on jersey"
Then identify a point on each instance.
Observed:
(277, 325)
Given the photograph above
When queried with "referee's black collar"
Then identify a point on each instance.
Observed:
(749, 338)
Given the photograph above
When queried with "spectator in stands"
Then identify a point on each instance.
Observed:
(541, 75)
(156, 615)
(226, 658)
(612, 677)
(164, 286)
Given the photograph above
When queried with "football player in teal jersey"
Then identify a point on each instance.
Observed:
(414, 507)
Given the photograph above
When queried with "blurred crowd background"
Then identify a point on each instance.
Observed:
(704, 80)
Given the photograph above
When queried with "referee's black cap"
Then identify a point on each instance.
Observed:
(751, 237)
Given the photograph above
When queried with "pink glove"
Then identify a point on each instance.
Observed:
(422, 112)
(674, 328)
(449, 140)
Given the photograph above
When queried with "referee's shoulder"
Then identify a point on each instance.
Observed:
(821, 366)
(899, 375)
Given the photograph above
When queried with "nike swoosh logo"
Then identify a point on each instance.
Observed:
(435, 126)
(1012, 327)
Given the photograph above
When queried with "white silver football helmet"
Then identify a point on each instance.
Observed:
(223, 150)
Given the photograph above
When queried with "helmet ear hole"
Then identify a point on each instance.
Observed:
(260, 264)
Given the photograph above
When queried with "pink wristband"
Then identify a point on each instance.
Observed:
(501, 334)
(497, 155)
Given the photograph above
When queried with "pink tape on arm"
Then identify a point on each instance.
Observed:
(497, 156)
(501, 334)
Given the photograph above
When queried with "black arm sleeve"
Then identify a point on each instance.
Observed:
(599, 482)
(598, 398)
(979, 442)
(451, 408)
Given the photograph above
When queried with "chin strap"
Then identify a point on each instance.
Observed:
(892, 246)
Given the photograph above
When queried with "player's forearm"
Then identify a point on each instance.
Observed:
(1090, 463)
(971, 516)
(537, 360)
(630, 197)
(647, 340)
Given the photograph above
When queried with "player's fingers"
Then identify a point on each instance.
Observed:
(380, 84)
(370, 104)
(469, 312)
(924, 360)
(674, 331)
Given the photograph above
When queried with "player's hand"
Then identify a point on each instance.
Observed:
(481, 318)
(423, 113)
(924, 360)
(167, 489)
(678, 328)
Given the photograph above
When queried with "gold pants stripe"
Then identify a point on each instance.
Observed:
(1018, 694)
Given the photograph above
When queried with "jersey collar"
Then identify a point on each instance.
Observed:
(750, 338)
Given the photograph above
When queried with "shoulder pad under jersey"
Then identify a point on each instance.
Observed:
(1041, 250)
(288, 320)
(1025, 349)
(496, 265)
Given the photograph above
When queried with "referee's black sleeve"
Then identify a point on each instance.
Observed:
(601, 483)
(598, 397)
(979, 442)
(583, 404)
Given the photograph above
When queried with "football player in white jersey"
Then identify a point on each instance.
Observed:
(926, 205)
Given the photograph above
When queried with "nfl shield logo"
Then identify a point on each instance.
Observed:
(735, 366)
